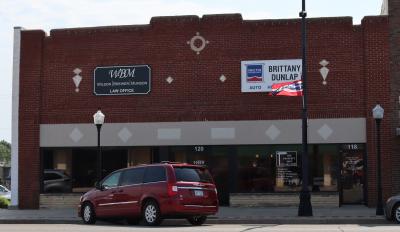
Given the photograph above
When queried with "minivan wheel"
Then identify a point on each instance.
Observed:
(396, 213)
(88, 214)
(197, 220)
(151, 213)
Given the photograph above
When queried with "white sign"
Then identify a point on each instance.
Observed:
(260, 75)
(286, 159)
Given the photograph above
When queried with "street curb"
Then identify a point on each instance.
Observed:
(288, 220)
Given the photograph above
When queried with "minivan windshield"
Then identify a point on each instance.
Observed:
(192, 174)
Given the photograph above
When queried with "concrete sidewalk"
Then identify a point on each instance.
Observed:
(226, 215)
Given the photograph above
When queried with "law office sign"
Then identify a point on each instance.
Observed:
(260, 75)
(122, 80)
(286, 159)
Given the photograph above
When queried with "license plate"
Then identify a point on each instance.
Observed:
(198, 193)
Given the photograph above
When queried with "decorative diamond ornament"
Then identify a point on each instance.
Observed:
(169, 80)
(124, 134)
(325, 132)
(77, 71)
(324, 71)
(76, 135)
(324, 62)
(273, 132)
(222, 78)
(77, 78)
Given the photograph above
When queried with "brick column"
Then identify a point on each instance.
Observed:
(29, 118)
(376, 77)
(394, 40)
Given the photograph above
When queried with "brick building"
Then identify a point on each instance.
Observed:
(196, 110)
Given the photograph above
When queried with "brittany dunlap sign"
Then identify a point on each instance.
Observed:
(260, 75)
(122, 80)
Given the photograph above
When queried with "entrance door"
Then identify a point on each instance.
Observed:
(352, 177)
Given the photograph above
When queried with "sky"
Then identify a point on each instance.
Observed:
(50, 14)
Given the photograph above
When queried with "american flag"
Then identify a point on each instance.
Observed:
(292, 89)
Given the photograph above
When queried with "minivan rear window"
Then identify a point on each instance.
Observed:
(189, 174)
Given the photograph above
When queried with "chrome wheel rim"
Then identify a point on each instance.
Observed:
(150, 213)
(87, 212)
(397, 214)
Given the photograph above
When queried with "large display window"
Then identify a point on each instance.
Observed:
(235, 169)
(277, 168)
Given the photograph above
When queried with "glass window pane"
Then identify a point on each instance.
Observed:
(255, 169)
(52, 176)
(132, 176)
(323, 167)
(154, 174)
(112, 181)
(192, 175)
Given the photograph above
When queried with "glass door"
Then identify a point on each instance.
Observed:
(352, 177)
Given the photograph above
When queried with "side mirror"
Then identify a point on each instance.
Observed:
(97, 185)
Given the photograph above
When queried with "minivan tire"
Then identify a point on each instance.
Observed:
(197, 220)
(151, 213)
(88, 214)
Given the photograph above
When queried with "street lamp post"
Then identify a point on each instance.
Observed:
(99, 121)
(305, 208)
(377, 113)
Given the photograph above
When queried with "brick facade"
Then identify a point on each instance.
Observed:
(394, 36)
(358, 78)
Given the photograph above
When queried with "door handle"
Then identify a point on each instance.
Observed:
(113, 191)
(120, 191)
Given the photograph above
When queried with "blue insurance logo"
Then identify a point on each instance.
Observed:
(254, 73)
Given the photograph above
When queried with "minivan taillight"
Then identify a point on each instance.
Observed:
(172, 190)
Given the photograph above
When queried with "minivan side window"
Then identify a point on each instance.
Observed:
(112, 181)
(132, 176)
(154, 174)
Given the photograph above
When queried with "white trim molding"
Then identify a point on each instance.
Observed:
(15, 115)
(321, 131)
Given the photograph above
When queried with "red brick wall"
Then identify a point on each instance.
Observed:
(29, 117)
(197, 93)
(358, 57)
(394, 40)
(376, 73)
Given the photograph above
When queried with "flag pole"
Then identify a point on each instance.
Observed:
(305, 208)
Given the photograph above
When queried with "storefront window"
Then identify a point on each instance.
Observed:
(277, 168)
(324, 167)
(236, 168)
(256, 169)
(75, 170)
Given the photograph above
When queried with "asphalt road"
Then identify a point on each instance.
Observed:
(184, 228)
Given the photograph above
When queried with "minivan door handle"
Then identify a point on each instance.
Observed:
(120, 191)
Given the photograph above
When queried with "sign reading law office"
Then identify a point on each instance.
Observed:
(260, 75)
(122, 80)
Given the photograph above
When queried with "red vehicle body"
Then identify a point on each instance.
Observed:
(152, 192)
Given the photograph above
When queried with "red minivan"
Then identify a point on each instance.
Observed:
(152, 192)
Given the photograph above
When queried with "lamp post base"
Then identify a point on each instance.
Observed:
(305, 208)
